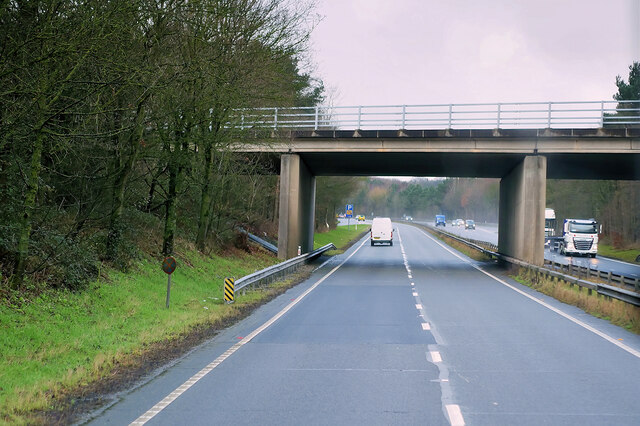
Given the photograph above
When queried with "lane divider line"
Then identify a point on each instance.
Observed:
(435, 357)
(582, 324)
(153, 411)
(418, 306)
(455, 415)
(426, 326)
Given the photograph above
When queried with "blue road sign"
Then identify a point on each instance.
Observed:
(349, 211)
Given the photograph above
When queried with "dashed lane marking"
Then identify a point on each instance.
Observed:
(418, 306)
(455, 415)
(426, 326)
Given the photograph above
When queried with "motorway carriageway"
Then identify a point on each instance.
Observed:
(413, 333)
(489, 233)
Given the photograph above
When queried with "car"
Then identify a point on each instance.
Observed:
(458, 222)
(360, 218)
(469, 224)
(409, 218)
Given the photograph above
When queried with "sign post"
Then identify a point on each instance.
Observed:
(348, 213)
(168, 266)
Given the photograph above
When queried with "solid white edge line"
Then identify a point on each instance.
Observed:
(455, 415)
(546, 305)
(149, 414)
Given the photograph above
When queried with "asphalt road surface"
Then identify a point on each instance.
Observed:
(413, 333)
(489, 233)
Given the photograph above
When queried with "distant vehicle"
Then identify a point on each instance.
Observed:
(360, 218)
(409, 218)
(381, 231)
(440, 220)
(579, 236)
(549, 222)
(469, 224)
(459, 222)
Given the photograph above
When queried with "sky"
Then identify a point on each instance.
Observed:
(392, 52)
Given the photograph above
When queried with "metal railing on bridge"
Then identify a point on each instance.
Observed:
(506, 115)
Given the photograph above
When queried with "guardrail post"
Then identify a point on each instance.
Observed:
(404, 111)
(549, 116)
(450, 114)
(242, 122)
(602, 114)
(275, 119)
(499, 110)
(359, 116)
(636, 285)
(609, 277)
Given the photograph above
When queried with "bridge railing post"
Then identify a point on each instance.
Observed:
(404, 112)
(275, 119)
(315, 126)
(450, 114)
(359, 116)
(602, 114)
(499, 109)
(549, 116)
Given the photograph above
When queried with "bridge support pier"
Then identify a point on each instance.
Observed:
(297, 207)
(522, 202)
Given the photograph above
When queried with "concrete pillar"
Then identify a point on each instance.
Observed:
(523, 194)
(297, 207)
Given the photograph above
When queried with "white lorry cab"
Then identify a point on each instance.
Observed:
(579, 236)
(381, 231)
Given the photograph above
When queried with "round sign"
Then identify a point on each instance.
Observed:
(169, 265)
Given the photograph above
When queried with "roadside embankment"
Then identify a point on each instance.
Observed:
(62, 350)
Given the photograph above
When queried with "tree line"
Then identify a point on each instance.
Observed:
(116, 118)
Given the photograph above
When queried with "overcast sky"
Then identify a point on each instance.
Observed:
(381, 52)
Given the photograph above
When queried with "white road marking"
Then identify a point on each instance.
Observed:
(455, 415)
(415, 294)
(410, 276)
(546, 305)
(206, 370)
(426, 326)
(435, 357)
(418, 306)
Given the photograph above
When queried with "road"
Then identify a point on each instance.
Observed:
(489, 233)
(414, 333)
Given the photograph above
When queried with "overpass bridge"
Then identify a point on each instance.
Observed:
(522, 144)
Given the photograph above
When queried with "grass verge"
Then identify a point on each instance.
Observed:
(62, 347)
(628, 255)
(612, 310)
(341, 237)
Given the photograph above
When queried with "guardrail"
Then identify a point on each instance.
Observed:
(278, 271)
(264, 243)
(504, 115)
(603, 289)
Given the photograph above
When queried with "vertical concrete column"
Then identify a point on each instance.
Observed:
(297, 207)
(523, 193)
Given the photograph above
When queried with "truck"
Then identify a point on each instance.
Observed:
(440, 220)
(579, 237)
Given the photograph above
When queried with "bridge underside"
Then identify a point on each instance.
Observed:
(459, 164)
(521, 159)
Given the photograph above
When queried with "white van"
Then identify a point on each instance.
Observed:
(381, 231)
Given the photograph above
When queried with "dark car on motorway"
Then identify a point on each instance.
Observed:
(469, 224)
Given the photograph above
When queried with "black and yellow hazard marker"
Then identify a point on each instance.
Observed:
(229, 292)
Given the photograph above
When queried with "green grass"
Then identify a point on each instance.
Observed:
(59, 341)
(625, 255)
(340, 237)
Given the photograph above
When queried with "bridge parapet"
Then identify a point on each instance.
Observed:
(505, 115)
